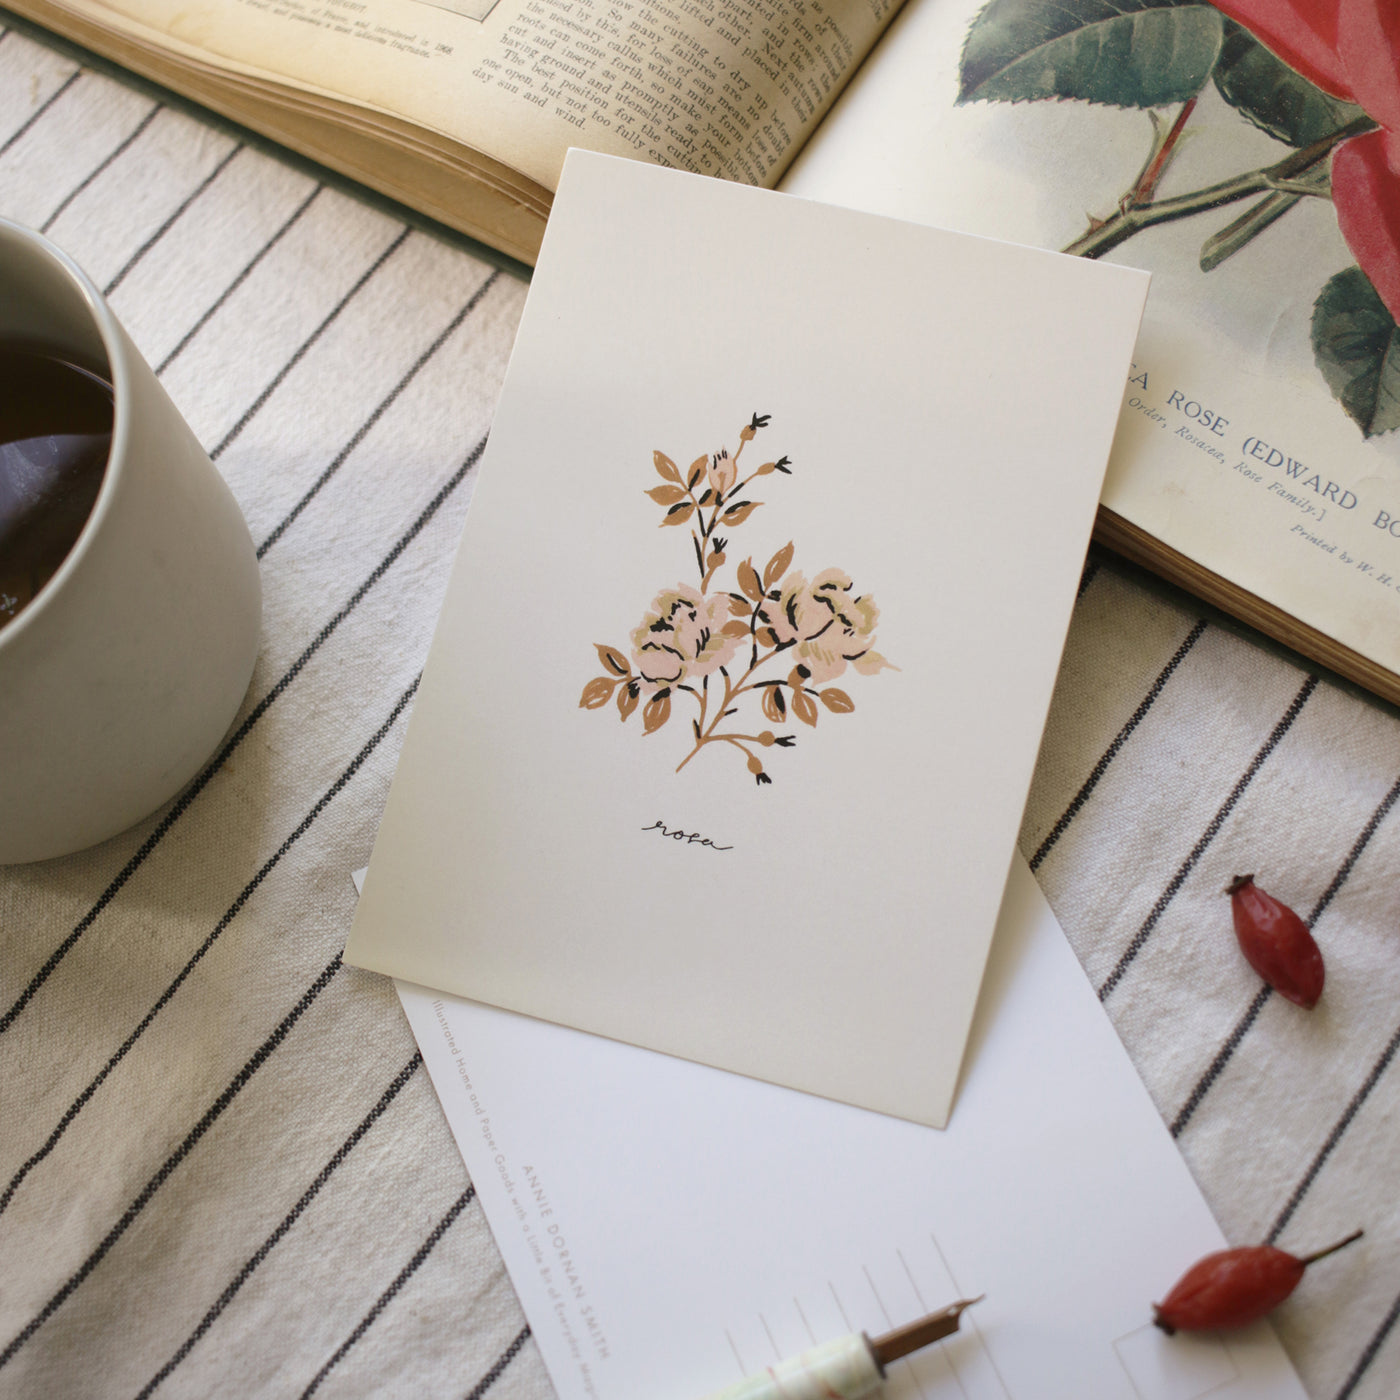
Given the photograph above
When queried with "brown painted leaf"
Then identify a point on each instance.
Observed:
(627, 699)
(767, 637)
(597, 693)
(748, 580)
(837, 701)
(774, 706)
(739, 606)
(666, 495)
(736, 515)
(804, 708)
(697, 470)
(612, 659)
(736, 628)
(666, 469)
(657, 712)
(679, 514)
(777, 565)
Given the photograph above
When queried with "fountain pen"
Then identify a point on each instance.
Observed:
(848, 1367)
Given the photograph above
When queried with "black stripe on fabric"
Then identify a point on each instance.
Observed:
(170, 221)
(288, 1220)
(387, 1297)
(238, 281)
(1111, 752)
(382, 408)
(133, 135)
(1335, 1136)
(39, 111)
(230, 914)
(1222, 1058)
(499, 1365)
(211, 1115)
(1362, 841)
(183, 802)
(1369, 1352)
(251, 412)
(1261, 997)
(1212, 830)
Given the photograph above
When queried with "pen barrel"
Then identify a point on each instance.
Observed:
(843, 1369)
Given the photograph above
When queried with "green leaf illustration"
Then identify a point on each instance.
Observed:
(1123, 53)
(1357, 347)
(1274, 97)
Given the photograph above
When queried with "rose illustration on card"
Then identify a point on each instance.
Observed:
(721, 652)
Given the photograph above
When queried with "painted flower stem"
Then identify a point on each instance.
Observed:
(731, 693)
(1288, 176)
(1228, 241)
(1159, 158)
(721, 498)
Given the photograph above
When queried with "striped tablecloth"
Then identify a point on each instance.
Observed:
(223, 1171)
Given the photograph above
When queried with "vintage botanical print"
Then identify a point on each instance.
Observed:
(1322, 77)
(720, 652)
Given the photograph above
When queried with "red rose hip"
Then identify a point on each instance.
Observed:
(1276, 942)
(1234, 1287)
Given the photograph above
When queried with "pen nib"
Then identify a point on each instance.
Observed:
(922, 1333)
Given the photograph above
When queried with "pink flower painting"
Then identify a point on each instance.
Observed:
(827, 624)
(681, 638)
(721, 652)
(1350, 49)
(1321, 77)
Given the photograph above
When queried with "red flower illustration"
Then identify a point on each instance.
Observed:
(1351, 49)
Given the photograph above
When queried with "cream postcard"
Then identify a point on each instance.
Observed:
(724, 736)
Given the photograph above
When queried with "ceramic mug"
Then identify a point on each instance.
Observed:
(121, 676)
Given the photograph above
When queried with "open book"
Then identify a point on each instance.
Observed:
(464, 109)
(1243, 163)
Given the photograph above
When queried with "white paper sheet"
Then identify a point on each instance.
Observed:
(794, 879)
(670, 1227)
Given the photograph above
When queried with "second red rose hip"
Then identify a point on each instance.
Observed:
(1276, 942)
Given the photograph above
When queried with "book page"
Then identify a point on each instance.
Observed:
(715, 86)
(670, 1228)
(1232, 447)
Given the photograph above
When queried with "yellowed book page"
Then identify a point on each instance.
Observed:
(1232, 448)
(717, 86)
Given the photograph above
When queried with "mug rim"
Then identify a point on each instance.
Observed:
(119, 372)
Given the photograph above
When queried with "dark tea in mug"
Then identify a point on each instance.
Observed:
(55, 434)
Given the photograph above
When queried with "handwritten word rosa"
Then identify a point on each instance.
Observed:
(1351, 49)
(681, 637)
(827, 627)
